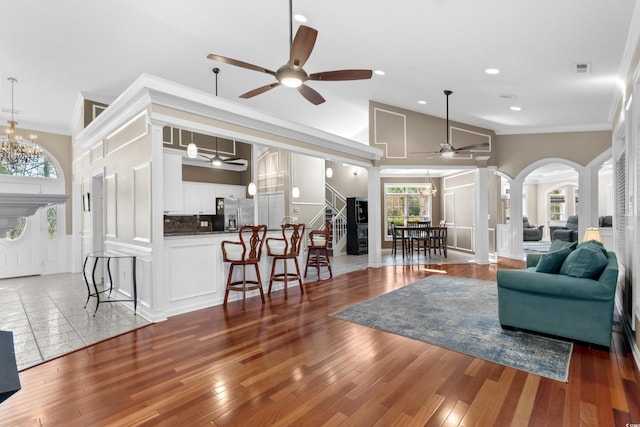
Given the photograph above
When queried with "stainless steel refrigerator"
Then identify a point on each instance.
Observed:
(238, 212)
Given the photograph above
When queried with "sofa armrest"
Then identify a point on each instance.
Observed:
(554, 284)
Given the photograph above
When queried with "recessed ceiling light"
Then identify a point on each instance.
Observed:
(515, 108)
(492, 71)
(300, 18)
(380, 72)
(422, 102)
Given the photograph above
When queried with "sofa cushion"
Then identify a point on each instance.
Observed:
(552, 261)
(559, 244)
(586, 261)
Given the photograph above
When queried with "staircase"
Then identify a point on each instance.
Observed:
(336, 205)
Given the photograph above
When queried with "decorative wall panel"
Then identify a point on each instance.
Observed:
(390, 133)
(142, 202)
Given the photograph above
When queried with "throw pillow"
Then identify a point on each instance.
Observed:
(594, 244)
(559, 244)
(586, 261)
(552, 261)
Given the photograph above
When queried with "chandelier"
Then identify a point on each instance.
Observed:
(430, 188)
(14, 150)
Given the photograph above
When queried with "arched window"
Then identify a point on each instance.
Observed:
(39, 166)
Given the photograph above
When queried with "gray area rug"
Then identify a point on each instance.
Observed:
(462, 315)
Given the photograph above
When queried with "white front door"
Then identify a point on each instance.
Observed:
(23, 256)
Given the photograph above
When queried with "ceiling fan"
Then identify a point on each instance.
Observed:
(216, 160)
(292, 74)
(448, 150)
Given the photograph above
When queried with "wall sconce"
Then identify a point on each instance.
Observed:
(329, 172)
(251, 189)
(295, 192)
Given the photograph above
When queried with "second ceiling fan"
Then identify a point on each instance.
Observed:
(448, 150)
(292, 74)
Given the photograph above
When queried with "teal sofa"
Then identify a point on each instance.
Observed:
(557, 302)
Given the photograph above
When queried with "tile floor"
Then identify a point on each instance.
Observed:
(48, 318)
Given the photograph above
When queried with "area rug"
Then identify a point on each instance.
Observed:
(462, 315)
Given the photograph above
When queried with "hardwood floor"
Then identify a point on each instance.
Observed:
(291, 364)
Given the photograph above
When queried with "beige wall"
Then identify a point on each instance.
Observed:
(515, 152)
(405, 136)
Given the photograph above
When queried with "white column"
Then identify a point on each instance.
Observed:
(482, 216)
(588, 202)
(159, 286)
(515, 189)
(375, 217)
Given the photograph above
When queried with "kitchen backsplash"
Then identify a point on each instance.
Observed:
(188, 224)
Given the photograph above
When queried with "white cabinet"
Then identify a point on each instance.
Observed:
(172, 183)
(199, 198)
(231, 191)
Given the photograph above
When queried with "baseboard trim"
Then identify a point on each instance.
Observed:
(629, 336)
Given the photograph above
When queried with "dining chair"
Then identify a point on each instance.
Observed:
(398, 236)
(419, 235)
(245, 252)
(438, 240)
(284, 249)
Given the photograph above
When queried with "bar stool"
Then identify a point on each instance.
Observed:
(243, 253)
(318, 250)
(283, 249)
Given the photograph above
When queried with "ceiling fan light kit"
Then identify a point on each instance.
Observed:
(292, 74)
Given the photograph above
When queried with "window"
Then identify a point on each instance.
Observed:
(16, 232)
(39, 167)
(52, 222)
(556, 205)
(403, 203)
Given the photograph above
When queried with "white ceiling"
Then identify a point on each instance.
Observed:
(59, 49)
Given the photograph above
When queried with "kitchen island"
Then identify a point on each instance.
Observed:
(197, 276)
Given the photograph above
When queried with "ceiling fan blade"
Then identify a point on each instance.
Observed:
(339, 75)
(258, 91)
(312, 96)
(230, 159)
(302, 46)
(242, 64)
(474, 147)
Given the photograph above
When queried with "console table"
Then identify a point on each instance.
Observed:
(97, 256)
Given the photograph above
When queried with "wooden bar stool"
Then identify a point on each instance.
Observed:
(318, 250)
(284, 249)
(243, 253)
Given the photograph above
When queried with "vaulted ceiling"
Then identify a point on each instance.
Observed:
(58, 50)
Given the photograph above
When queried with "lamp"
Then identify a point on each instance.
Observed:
(592, 233)
(295, 192)
(192, 149)
(430, 188)
(251, 189)
(14, 151)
